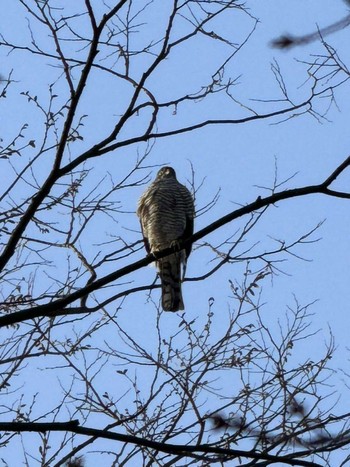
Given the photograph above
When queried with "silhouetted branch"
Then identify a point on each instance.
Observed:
(182, 449)
(57, 306)
(288, 41)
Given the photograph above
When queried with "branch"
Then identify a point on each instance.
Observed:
(197, 126)
(103, 147)
(51, 309)
(55, 174)
(288, 41)
(180, 449)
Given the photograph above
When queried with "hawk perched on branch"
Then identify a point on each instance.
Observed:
(166, 212)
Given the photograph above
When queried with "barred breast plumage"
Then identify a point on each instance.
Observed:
(166, 212)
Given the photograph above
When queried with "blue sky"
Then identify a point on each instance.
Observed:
(237, 159)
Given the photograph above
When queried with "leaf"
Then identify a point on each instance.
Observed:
(32, 143)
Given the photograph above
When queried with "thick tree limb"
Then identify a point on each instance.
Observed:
(56, 306)
(179, 449)
(55, 174)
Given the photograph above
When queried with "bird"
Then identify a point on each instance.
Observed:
(166, 211)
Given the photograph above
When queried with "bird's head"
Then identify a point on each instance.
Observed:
(166, 172)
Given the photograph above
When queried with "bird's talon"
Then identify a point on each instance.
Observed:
(175, 245)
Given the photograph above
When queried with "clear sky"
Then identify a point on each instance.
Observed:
(239, 160)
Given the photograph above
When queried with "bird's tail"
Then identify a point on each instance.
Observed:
(170, 276)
